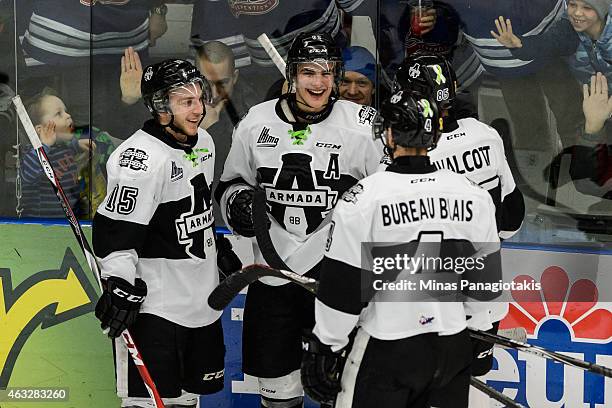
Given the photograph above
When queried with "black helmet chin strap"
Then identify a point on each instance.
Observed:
(175, 128)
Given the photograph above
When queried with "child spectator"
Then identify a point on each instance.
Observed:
(63, 144)
(583, 33)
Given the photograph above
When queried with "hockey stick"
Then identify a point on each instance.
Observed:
(223, 294)
(262, 235)
(82, 240)
(541, 352)
(493, 393)
(228, 289)
(272, 53)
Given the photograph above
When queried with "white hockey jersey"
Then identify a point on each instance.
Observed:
(303, 177)
(156, 223)
(411, 202)
(476, 150)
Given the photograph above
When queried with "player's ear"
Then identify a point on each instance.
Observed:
(164, 119)
(38, 129)
(235, 76)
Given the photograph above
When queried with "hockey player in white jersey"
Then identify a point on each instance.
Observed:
(154, 238)
(304, 149)
(404, 351)
(474, 149)
(467, 145)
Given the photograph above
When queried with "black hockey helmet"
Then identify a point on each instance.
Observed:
(429, 76)
(159, 79)
(314, 47)
(414, 121)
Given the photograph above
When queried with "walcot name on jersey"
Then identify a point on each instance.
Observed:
(426, 208)
(134, 159)
(293, 198)
(265, 139)
(366, 115)
(466, 162)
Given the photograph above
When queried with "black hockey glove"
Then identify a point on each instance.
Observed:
(119, 304)
(321, 369)
(227, 260)
(240, 212)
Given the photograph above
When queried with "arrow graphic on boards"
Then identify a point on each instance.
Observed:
(44, 299)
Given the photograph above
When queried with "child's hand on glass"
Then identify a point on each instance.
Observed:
(596, 105)
(47, 133)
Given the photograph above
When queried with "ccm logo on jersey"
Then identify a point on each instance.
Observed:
(133, 159)
(214, 376)
(455, 135)
(265, 139)
(328, 145)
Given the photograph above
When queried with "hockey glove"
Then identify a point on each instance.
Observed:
(227, 260)
(321, 369)
(119, 304)
(240, 212)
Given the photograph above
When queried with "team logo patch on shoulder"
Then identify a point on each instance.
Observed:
(386, 159)
(177, 172)
(265, 139)
(366, 115)
(134, 159)
(350, 195)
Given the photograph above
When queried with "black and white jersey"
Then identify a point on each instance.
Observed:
(156, 223)
(410, 203)
(304, 172)
(476, 150)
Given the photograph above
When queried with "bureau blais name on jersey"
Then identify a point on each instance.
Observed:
(156, 223)
(412, 211)
(303, 169)
(401, 210)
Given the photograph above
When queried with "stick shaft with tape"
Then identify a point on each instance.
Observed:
(272, 53)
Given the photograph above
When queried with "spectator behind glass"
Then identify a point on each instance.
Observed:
(57, 133)
(541, 80)
(77, 46)
(238, 23)
(583, 33)
(232, 98)
(358, 84)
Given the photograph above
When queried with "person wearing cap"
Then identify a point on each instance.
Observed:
(359, 77)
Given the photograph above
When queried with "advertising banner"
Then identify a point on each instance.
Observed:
(52, 350)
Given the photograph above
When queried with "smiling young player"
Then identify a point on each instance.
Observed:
(304, 149)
